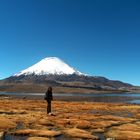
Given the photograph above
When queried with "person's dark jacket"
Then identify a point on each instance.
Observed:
(48, 96)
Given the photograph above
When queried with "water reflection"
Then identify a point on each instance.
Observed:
(135, 101)
(100, 97)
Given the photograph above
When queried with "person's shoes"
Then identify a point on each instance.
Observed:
(51, 114)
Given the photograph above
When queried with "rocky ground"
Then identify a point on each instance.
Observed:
(24, 119)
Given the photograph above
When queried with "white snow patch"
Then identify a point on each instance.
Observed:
(50, 65)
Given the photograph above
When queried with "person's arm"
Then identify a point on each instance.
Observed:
(51, 96)
(46, 95)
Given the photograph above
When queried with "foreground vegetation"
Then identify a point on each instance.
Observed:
(27, 119)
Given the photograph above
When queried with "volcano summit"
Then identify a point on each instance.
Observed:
(50, 65)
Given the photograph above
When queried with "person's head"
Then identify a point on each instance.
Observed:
(49, 88)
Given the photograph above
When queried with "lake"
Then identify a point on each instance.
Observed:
(133, 98)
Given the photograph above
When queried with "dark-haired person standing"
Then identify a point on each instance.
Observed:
(49, 98)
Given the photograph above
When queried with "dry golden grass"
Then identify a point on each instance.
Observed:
(28, 117)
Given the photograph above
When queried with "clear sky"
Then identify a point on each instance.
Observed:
(97, 37)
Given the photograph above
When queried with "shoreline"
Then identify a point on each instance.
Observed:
(101, 98)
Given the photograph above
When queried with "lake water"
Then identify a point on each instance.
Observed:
(133, 98)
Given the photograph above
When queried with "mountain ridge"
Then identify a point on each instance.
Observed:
(54, 72)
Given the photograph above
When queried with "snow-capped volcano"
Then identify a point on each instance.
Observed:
(54, 72)
(50, 65)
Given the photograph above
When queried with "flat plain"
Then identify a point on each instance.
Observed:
(27, 119)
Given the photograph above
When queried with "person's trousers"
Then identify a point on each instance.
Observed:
(48, 107)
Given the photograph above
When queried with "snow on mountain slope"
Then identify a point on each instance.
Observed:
(49, 65)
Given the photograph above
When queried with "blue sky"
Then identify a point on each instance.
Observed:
(98, 37)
